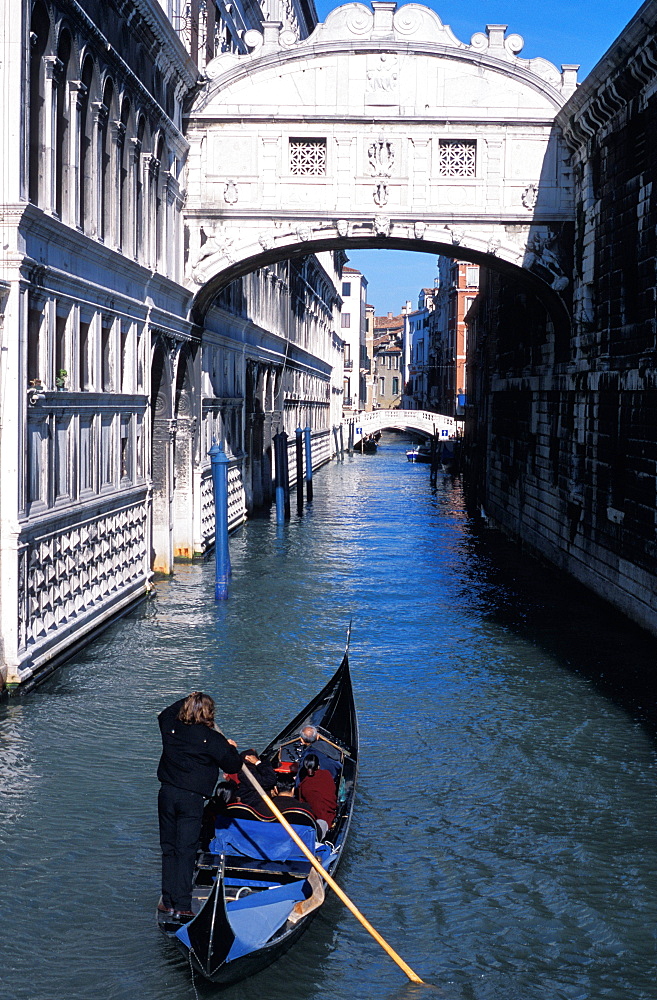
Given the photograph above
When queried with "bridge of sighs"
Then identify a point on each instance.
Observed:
(381, 129)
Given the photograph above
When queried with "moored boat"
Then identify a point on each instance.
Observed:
(254, 890)
(421, 453)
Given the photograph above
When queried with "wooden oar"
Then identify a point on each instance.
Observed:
(329, 881)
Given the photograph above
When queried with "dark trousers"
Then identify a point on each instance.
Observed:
(180, 814)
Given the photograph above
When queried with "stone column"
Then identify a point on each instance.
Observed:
(76, 94)
(164, 433)
(135, 204)
(99, 120)
(183, 504)
(269, 173)
(344, 173)
(419, 195)
(116, 158)
(53, 68)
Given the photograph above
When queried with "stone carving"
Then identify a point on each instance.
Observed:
(545, 262)
(265, 241)
(381, 194)
(382, 225)
(383, 75)
(217, 244)
(456, 235)
(304, 232)
(381, 155)
(230, 193)
(494, 43)
(419, 229)
(530, 197)
(342, 227)
(493, 246)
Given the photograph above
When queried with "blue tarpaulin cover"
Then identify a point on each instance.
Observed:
(256, 917)
(259, 839)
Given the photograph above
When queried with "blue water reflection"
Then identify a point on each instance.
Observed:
(504, 838)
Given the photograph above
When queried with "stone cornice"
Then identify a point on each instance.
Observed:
(625, 70)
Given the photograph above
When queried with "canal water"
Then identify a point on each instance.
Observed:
(504, 838)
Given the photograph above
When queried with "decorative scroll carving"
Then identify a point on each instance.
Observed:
(230, 193)
(381, 194)
(530, 197)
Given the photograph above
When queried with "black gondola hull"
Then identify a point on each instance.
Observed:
(210, 934)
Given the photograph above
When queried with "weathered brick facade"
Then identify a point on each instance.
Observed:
(566, 426)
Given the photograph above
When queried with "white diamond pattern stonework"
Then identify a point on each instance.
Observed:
(308, 157)
(457, 158)
(73, 571)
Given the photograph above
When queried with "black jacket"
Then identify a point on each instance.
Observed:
(267, 777)
(192, 754)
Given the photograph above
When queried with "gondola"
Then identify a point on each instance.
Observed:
(254, 891)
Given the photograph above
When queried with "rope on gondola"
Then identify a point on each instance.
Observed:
(191, 969)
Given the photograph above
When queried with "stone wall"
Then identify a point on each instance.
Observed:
(566, 427)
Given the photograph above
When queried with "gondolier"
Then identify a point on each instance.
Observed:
(193, 750)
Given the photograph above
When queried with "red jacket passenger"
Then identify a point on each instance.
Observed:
(317, 790)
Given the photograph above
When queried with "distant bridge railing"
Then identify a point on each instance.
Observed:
(414, 421)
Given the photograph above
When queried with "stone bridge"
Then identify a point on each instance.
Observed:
(413, 421)
(381, 129)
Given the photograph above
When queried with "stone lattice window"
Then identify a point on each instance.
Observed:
(308, 157)
(457, 157)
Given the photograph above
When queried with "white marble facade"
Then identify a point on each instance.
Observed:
(112, 387)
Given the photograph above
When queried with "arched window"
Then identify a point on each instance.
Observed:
(39, 31)
(106, 172)
(124, 207)
(62, 123)
(85, 181)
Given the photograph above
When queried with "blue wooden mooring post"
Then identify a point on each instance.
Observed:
(220, 461)
(309, 463)
(282, 497)
(299, 457)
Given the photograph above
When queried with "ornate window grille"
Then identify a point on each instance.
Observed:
(308, 157)
(457, 157)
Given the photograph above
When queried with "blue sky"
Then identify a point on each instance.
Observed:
(563, 31)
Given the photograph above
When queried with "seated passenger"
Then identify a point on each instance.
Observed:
(317, 790)
(308, 739)
(284, 797)
(263, 772)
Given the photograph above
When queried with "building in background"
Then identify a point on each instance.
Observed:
(353, 331)
(388, 366)
(367, 374)
(416, 351)
(458, 286)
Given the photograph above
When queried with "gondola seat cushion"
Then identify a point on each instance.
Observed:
(242, 831)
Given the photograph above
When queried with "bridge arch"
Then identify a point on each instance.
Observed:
(381, 129)
(423, 423)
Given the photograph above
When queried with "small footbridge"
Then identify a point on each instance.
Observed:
(421, 422)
